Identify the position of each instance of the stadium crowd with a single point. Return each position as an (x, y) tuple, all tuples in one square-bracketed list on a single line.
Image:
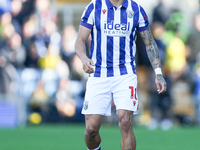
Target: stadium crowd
[(38, 62)]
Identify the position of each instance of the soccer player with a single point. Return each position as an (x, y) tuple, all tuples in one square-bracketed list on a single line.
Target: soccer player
[(113, 25)]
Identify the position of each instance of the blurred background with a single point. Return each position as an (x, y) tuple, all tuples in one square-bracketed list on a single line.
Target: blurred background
[(42, 81)]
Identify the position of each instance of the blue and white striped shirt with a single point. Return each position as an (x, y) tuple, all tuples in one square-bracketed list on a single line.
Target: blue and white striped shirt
[(113, 35)]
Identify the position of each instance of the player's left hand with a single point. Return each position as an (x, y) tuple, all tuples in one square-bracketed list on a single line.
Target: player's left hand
[(160, 84)]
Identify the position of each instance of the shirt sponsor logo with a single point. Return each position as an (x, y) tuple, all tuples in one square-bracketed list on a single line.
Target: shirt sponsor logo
[(111, 29)]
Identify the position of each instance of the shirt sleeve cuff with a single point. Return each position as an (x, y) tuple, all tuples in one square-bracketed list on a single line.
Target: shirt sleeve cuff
[(89, 26), (143, 28)]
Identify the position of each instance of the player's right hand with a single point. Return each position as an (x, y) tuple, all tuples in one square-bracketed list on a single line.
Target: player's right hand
[(88, 65)]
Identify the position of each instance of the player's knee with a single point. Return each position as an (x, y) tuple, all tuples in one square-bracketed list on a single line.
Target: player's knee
[(125, 125), (90, 132)]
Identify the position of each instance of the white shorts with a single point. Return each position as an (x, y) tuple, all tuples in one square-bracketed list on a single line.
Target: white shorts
[(101, 91)]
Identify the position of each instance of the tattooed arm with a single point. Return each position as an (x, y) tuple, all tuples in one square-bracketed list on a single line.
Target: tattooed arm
[(154, 58)]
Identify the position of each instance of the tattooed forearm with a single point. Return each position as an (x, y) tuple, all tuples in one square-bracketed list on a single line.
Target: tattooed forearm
[(160, 78), (153, 54), (151, 47)]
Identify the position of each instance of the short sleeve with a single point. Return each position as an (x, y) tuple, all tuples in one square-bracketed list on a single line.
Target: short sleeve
[(87, 19), (143, 22)]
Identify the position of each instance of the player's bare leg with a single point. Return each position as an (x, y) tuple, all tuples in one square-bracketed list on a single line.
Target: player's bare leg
[(92, 136), (128, 141)]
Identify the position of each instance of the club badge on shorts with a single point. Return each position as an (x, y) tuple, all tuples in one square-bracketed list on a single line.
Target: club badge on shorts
[(85, 105), (130, 13)]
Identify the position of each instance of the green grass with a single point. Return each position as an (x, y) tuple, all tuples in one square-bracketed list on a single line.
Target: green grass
[(70, 137)]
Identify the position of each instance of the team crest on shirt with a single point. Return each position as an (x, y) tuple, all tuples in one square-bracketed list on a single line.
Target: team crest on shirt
[(130, 13), (85, 105)]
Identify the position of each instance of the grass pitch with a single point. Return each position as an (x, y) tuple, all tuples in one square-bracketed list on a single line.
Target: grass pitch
[(70, 137)]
